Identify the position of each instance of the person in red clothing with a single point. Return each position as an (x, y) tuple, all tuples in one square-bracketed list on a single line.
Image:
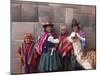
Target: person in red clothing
[(64, 47), (28, 54)]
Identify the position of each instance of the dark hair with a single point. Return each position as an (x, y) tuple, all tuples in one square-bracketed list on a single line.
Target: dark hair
[(45, 26)]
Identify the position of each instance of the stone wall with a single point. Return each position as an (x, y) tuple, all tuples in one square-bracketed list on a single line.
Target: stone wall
[(26, 17)]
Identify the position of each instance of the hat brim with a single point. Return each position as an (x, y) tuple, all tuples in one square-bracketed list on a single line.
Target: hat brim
[(45, 25)]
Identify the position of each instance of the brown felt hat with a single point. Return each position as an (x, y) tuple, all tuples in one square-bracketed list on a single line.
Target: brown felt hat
[(74, 22), (45, 24)]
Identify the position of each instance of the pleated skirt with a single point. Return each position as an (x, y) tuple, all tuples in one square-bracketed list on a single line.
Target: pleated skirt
[(49, 62)]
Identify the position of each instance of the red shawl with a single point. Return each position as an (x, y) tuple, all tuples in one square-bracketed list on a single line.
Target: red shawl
[(64, 44)]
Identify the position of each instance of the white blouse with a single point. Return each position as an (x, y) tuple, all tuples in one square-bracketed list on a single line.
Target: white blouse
[(52, 40)]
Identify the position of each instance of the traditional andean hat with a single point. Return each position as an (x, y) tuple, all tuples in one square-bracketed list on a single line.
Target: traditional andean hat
[(28, 36)]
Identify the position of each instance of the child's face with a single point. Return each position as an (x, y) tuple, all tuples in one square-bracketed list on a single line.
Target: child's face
[(27, 40), (75, 28), (63, 31), (49, 29)]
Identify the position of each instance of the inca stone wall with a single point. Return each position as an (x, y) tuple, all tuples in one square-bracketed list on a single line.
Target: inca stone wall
[(27, 16)]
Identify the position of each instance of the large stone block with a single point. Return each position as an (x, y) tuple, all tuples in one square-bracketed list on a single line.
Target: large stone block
[(20, 28), (83, 19), (59, 14), (92, 21), (69, 16), (37, 30), (15, 66), (85, 9), (90, 36), (46, 13), (15, 44), (16, 12), (15, 58), (29, 13)]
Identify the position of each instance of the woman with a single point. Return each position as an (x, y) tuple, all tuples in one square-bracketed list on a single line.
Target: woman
[(46, 47), (78, 38)]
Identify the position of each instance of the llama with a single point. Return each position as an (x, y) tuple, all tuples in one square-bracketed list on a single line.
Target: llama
[(86, 58)]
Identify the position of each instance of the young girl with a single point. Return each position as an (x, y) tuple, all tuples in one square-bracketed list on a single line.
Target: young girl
[(80, 34), (46, 47), (28, 54), (79, 42), (64, 47)]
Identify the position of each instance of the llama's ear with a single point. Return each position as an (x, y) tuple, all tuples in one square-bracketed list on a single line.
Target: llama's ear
[(73, 34)]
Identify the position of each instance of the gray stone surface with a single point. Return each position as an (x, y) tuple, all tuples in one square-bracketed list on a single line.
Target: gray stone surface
[(27, 17), (59, 14), (83, 19), (15, 66), (15, 60), (46, 12), (29, 13), (16, 12), (90, 36), (20, 28)]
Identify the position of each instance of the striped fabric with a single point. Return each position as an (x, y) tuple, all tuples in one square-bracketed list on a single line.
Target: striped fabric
[(22, 52), (40, 42), (64, 45)]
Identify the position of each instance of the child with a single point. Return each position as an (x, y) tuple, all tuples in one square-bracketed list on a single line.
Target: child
[(46, 47), (64, 47), (79, 42), (79, 32), (28, 54)]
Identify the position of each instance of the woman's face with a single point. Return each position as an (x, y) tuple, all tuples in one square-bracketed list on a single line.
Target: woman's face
[(75, 29), (63, 31), (27, 40), (49, 29)]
